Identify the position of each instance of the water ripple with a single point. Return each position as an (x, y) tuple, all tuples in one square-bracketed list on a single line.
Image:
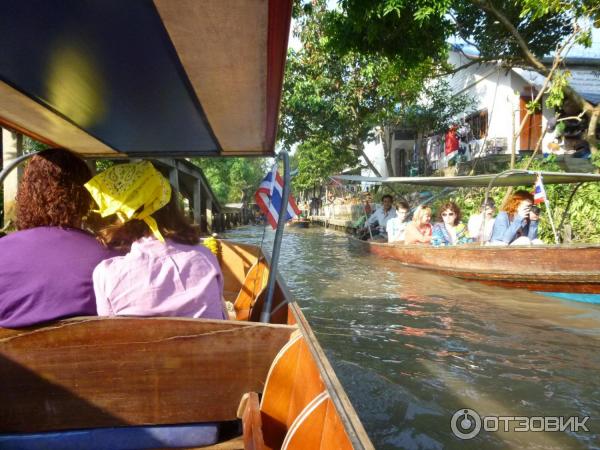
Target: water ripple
[(411, 347)]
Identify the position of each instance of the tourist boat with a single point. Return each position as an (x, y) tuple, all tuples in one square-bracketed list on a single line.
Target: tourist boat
[(163, 79), (571, 268)]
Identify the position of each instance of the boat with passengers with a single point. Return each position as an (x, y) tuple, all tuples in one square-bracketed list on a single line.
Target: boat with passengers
[(570, 268), (154, 79)]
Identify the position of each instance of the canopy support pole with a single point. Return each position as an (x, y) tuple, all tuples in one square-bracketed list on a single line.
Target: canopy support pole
[(14, 163), (265, 315), (568, 207)]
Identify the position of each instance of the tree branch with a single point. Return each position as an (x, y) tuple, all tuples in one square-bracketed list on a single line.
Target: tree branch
[(527, 54)]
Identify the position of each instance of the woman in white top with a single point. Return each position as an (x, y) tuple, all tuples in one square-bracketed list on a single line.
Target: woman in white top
[(481, 225)]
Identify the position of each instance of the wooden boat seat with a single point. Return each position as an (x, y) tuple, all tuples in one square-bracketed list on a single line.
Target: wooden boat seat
[(97, 372), (253, 286)]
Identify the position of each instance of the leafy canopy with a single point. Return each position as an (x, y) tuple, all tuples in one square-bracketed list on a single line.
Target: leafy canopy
[(232, 179), (332, 102), (413, 30)]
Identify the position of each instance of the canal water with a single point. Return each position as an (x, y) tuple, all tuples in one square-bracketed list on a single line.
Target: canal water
[(411, 347)]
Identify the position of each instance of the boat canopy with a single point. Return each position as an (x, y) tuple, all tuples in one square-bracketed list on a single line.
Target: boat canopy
[(143, 78), (508, 178)]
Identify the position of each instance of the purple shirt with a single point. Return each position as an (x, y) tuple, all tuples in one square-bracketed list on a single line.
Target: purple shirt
[(160, 279), (46, 274)]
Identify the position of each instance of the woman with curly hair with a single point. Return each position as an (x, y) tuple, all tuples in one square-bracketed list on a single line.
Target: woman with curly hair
[(449, 230), (516, 224), (165, 272), (46, 267)]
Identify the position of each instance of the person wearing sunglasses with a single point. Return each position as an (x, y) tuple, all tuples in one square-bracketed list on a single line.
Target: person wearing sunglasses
[(450, 230)]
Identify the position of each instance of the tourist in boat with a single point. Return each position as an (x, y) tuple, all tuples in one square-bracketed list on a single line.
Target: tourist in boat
[(419, 230), (46, 266), (395, 227), (378, 220), (165, 272), (480, 225), (450, 230), (517, 224)]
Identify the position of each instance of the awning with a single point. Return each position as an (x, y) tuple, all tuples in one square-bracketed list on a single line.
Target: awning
[(515, 178), (145, 78)]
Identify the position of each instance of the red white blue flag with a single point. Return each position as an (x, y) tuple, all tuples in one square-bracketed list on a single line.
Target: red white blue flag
[(539, 193), (268, 198)]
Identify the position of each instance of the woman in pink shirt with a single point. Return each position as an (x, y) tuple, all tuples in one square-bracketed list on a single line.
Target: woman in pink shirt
[(165, 272)]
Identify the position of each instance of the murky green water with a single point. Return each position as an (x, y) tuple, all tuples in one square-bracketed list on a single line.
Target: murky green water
[(412, 347)]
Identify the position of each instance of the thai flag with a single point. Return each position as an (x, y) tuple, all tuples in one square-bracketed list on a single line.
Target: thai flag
[(268, 198), (539, 193)]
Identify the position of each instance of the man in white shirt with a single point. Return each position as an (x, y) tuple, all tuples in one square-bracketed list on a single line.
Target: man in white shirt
[(481, 225), (395, 226), (381, 217)]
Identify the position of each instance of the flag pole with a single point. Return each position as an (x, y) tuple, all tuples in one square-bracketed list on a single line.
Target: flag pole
[(548, 210), (265, 315)]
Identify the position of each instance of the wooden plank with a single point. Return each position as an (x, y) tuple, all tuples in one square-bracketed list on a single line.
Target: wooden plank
[(97, 372), (318, 426), (235, 260), (236, 443), (254, 284), (333, 429), (253, 436), (307, 429), (293, 382), (277, 394)]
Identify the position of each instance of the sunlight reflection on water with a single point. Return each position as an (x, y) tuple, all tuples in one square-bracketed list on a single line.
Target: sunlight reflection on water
[(412, 347)]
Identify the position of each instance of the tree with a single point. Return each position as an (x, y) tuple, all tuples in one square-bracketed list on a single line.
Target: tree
[(233, 179), (519, 33), (334, 102), (316, 161)]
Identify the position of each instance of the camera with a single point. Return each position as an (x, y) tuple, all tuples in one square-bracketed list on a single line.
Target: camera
[(535, 210)]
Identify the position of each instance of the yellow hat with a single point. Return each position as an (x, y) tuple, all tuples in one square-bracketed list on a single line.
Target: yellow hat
[(124, 189)]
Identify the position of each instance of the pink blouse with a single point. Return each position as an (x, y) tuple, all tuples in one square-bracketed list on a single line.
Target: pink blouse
[(160, 279)]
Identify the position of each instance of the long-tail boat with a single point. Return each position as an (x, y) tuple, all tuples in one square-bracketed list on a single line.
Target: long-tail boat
[(550, 268), (163, 78)]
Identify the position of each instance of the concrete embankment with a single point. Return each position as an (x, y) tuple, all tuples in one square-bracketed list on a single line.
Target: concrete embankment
[(336, 224)]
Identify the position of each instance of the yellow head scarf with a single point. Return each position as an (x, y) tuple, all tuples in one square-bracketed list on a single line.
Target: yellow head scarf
[(125, 188)]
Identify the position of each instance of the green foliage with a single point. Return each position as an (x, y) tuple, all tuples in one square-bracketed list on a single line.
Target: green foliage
[(556, 93), (584, 212), (317, 161), (414, 31), (233, 179), (31, 145), (476, 23), (332, 102), (103, 164)]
